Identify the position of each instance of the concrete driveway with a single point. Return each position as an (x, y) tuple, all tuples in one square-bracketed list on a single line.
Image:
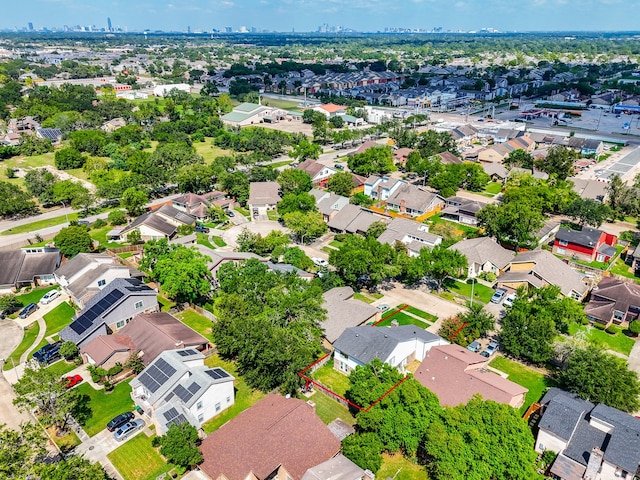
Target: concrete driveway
[(10, 336), (263, 228)]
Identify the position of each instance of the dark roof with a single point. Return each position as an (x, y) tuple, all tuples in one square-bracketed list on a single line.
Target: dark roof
[(52, 134), (11, 260), (623, 448), (563, 412), (584, 438), (367, 343), (612, 293), (587, 237), (37, 264)]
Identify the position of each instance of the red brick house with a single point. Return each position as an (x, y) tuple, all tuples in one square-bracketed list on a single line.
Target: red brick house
[(588, 244)]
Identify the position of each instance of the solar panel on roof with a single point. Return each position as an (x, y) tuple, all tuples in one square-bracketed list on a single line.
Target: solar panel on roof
[(169, 397), (194, 387), (183, 353), (148, 382), (182, 393), (164, 367), (171, 414), (178, 420), (217, 373)]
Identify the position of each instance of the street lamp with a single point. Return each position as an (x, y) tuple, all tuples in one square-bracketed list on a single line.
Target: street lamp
[(65, 213), (473, 284)]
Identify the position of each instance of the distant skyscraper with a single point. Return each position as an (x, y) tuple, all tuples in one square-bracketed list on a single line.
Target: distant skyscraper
[(30, 26), (109, 24), (188, 29)]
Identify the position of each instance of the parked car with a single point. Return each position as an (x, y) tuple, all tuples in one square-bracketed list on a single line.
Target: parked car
[(498, 295), (491, 349), (255, 212), (28, 310), (48, 353), (508, 302), (339, 167), (321, 262), (229, 213), (72, 381), (474, 346), (128, 429), (201, 229), (383, 307), (120, 420), (50, 296)]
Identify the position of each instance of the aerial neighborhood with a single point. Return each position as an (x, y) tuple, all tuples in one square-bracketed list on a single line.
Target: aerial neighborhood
[(244, 256)]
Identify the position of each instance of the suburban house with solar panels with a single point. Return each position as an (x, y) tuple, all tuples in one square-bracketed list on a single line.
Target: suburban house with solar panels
[(177, 387), (110, 310)]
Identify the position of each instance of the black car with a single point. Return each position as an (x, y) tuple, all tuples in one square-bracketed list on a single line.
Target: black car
[(28, 310), (48, 353), (120, 420), (201, 229)]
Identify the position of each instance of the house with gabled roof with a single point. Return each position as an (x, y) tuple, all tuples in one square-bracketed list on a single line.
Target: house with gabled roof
[(588, 244), (593, 442), (318, 172), (381, 188), (344, 311), (614, 301), (253, 113), (28, 267), (352, 219), (263, 196), (198, 204), (414, 201), (483, 254), (281, 439), (397, 346), (329, 204), (462, 210), (160, 223), (414, 235), (110, 309), (177, 387)]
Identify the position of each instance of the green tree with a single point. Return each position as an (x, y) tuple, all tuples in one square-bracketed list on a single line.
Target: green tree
[(236, 184), (294, 181), (69, 350), (478, 322), (117, 217), (73, 194), (377, 159), (14, 200), (135, 363), (588, 212), (180, 445), (73, 240), (20, 450), (300, 202), (437, 264), (295, 256), (134, 200), (559, 162), (183, 274), (376, 229), (90, 141), (32, 145), (72, 467), (341, 183), (320, 130), (9, 303), (305, 225), (519, 158), (39, 183), (515, 223), (68, 158), (601, 378), (305, 150)]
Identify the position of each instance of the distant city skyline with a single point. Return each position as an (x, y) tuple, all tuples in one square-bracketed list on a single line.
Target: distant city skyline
[(308, 15)]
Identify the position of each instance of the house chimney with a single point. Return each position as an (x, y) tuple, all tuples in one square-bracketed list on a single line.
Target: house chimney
[(368, 475), (593, 467)]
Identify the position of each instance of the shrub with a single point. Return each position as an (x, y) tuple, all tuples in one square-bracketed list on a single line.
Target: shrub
[(599, 326), (117, 217), (613, 329), (634, 327), (339, 237), (68, 158), (488, 276), (585, 321), (99, 223)]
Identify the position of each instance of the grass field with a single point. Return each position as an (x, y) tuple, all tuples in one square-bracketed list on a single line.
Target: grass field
[(399, 467), (58, 318), (40, 224), (61, 368), (328, 409), (34, 295), (336, 244), (364, 298), (278, 103), (65, 443), (218, 241), (245, 396), (199, 323), (30, 335), (332, 379), (493, 188), (125, 255), (420, 313), (403, 319), (621, 268), (100, 234), (618, 342), (273, 215), (536, 382), (481, 292), (103, 406), (165, 304), (203, 239), (136, 459), (461, 230), (243, 211), (208, 150)]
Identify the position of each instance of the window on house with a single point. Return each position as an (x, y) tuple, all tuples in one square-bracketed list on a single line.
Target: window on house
[(563, 243), (121, 324), (199, 405), (228, 399), (138, 305), (101, 283), (200, 418), (218, 407), (575, 296)]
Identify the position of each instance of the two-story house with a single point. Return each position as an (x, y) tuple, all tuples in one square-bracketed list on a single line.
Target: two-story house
[(414, 235), (160, 223), (198, 205), (318, 172), (588, 244), (614, 301), (329, 204), (413, 201), (483, 254), (177, 387), (381, 188), (110, 309), (462, 210)]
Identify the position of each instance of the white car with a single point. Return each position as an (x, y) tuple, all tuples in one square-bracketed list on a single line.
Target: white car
[(321, 262), (50, 296), (508, 302)]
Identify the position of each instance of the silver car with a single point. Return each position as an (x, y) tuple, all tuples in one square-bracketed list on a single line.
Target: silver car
[(128, 429)]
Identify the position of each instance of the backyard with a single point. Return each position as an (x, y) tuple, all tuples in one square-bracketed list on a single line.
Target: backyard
[(536, 382), (102, 407), (618, 342), (329, 409), (245, 396), (199, 323), (399, 467), (331, 378), (58, 318), (621, 268), (136, 459)]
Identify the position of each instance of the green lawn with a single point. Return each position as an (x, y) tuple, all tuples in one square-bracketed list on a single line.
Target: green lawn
[(243, 211), (35, 294), (40, 224), (65, 443), (199, 323), (618, 342), (58, 318), (332, 379), (273, 215), (245, 396), (493, 188), (61, 368), (100, 234), (208, 151), (329, 409), (136, 459), (280, 164), (336, 244), (402, 319), (203, 239), (125, 255), (481, 292), (362, 297), (536, 382), (165, 304), (422, 314), (621, 268), (463, 230), (279, 103), (30, 335), (104, 406), (399, 467), (218, 241)]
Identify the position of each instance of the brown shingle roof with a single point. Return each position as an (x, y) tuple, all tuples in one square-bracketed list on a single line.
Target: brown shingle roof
[(276, 431)]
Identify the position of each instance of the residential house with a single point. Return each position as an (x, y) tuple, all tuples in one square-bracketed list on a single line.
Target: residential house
[(86, 274), (497, 153), (148, 335), (329, 204), (462, 210), (397, 346), (28, 267), (588, 244), (547, 232), (591, 189), (53, 134), (381, 188), (263, 196), (114, 124), (496, 171), (539, 268), (110, 309), (400, 155), (330, 109), (593, 442), (449, 158), (593, 147), (483, 254), (464, 134), (455, 374), (318, 172), (344, 311), (633, 257), (537, 174), (198, 205), (614, 301), (282, 438), (352, 219), (160, 223), (177, 387), (338, 468), (252, 114), (414, 201), (414, 235)]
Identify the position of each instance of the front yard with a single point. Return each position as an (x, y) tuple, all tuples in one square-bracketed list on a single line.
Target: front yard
[(136, 459), (58, 318), (402, 319), (102, 407), (618, 342), (35, 294), (481, 292)]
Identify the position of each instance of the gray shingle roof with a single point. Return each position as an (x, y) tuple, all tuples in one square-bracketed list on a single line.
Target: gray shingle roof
[(343, 311), (484, 249), (71, 267), (11, 261), (563, 412), (553, 270), (587, 237)]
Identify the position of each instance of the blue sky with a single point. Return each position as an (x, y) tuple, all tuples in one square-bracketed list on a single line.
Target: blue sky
[(307, 15)]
